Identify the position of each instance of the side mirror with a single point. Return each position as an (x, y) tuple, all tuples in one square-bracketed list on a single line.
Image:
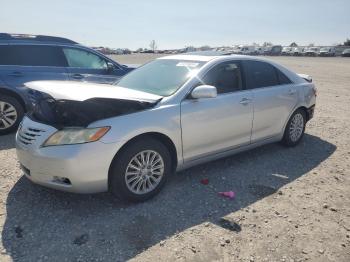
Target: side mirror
[(204, 91), (110, 67)]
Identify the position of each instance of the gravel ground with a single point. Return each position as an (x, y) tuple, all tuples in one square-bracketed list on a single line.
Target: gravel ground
[(291, 204)]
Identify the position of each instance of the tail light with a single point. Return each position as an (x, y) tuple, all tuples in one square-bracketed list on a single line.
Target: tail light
[(314, 90)]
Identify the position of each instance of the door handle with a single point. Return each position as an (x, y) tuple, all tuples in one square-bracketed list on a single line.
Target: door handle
[(16, 74), (291, 92), (77, 76), (245, 101)]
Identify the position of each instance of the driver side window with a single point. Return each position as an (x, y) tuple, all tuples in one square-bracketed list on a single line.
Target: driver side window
[(84, 59), (226, 77)]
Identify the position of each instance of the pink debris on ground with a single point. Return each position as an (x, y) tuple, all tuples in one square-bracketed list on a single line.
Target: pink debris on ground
[(228, 194)]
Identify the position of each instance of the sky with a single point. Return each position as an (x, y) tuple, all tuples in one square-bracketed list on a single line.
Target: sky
[(175, 24)]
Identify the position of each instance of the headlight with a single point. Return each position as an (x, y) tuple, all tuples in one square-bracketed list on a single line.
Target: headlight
[(76, 136)]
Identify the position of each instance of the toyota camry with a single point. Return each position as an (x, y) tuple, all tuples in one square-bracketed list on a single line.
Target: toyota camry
[(167, 115)]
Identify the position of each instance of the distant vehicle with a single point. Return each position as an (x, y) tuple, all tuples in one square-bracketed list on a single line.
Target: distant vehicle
[(346, 53), (273, 50), (312, 51), (327, 51), (126, 51), (287, 50), (25, 58), (167, 115), (189, 49), (235, 50), (147, 51), (117, 51), (247, 50), (259, 50), (297, 51)]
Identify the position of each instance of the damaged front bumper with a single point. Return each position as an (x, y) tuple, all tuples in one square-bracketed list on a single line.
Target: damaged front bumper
[(310, 112), (80, 168)]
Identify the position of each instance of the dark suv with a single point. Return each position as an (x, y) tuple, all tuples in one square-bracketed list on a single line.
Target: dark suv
[(25, 58)]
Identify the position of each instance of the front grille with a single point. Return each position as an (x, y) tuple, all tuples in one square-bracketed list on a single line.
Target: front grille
[(28, 135)]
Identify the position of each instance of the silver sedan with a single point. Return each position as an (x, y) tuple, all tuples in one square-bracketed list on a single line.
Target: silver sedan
[(167, 115)]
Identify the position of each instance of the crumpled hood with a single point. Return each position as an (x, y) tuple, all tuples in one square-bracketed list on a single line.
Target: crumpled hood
[(81, 91)]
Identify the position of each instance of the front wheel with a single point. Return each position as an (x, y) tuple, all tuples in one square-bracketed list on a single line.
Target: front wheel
[(295, 128), (140, 170), (11, 113)]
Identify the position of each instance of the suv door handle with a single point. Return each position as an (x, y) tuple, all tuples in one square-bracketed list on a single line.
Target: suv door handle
[(291, 92), (245, 101), (16, 74), (77, 76)]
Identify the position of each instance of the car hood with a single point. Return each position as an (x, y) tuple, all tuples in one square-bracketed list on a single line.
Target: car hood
[(132, 66), (81, 91)]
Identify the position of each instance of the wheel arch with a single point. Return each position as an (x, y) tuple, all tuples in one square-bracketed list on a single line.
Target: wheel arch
[(7, 92), (166, 140), (302, 107)]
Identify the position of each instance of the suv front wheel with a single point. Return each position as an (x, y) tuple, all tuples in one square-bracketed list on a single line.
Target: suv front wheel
[(11, 114)]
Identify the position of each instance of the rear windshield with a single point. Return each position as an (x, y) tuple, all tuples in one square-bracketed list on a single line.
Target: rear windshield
[(161, 77)]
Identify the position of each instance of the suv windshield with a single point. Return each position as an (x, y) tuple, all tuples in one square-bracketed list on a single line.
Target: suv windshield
[(161, 77)]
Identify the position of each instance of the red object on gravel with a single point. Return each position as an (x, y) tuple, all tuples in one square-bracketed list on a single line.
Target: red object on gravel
[(205, 181)]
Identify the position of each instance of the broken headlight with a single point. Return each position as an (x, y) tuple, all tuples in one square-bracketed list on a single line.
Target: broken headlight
[(72, 136)]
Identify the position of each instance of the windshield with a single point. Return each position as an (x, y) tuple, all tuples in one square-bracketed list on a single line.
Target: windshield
[(161, 77)]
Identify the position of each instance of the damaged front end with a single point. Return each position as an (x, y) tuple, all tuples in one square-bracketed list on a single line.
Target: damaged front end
[(61, 113)]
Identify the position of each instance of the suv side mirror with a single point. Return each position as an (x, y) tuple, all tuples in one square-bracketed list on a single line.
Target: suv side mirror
[(204, 91), (110, 67)]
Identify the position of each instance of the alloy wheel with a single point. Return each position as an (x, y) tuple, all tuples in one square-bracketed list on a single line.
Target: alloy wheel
[(296, 127), (8, 115), (144, 172)]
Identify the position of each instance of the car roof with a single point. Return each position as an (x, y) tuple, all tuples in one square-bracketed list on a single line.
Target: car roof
[(33, 39), (189, 57), (207, 57)]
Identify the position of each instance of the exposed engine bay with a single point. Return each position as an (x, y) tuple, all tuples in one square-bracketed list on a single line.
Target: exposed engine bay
[(69, 113)]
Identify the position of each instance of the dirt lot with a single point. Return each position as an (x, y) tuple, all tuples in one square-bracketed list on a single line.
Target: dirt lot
[(291, 204)]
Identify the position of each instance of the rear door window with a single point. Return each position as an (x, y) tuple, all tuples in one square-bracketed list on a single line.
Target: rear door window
[(5, 57), (32, 55), (83, 59), (260, 74), (283, 79)]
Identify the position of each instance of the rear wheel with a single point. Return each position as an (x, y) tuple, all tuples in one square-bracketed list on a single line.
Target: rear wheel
[(295, 128), (140, 170), (11, 114)]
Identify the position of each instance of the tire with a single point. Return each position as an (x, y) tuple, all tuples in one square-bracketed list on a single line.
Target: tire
[(11, 114), (125, 161), (292, 137)]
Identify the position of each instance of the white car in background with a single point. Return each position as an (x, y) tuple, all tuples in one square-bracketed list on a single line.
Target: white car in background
[(297, 51), (346, 53), (327, 51), (311, 51), (287, 50), (247, 50), (259, 50)]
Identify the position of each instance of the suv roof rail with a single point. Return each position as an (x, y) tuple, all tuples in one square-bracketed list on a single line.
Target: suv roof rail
[(40, 38)]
